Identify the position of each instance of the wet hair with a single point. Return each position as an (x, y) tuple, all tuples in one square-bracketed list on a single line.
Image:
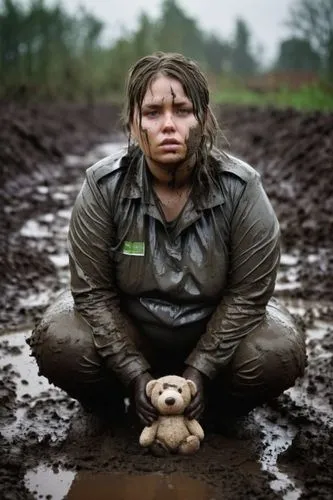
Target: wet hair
[(195, 85)]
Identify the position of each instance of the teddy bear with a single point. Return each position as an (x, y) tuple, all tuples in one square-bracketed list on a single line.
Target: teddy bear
[(172, 432)]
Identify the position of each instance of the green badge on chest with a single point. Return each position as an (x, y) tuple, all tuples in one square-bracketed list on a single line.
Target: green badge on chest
[(136, 248)]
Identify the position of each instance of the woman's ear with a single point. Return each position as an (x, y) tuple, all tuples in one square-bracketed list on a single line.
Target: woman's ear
[(149, 387)]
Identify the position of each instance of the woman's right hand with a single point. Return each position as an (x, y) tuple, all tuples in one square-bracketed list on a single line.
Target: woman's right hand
[(144, 409)]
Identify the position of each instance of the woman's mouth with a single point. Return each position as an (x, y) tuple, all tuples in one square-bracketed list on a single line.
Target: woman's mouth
[(169, 144)]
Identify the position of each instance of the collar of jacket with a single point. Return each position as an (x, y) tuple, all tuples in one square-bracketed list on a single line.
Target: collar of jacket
[(138, 185)]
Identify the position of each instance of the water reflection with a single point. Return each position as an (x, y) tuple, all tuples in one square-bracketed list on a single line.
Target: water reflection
[(46, 482), (118, 486)]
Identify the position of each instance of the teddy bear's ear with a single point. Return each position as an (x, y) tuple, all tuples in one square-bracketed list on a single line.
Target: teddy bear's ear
[(149, 387), (192, 386)]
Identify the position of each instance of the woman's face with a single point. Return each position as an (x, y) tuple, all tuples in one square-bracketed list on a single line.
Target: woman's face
[(169, 133)]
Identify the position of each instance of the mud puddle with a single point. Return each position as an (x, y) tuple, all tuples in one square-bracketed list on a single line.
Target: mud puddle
[(86, 485)]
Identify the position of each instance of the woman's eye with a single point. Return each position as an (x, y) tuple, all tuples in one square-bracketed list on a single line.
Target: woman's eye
[(184, 111), (151, 114)]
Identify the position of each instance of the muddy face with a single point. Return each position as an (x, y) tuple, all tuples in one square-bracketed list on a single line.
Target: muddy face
[(166, 128)]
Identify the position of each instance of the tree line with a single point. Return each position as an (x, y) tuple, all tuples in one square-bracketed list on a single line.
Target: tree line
[(45, 49)]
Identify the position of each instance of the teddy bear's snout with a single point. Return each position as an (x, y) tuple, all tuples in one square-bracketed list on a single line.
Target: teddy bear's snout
[(170, 402)]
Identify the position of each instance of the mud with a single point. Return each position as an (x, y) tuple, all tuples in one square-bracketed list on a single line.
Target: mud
[(41, 148), (50, 448), (293, 151)]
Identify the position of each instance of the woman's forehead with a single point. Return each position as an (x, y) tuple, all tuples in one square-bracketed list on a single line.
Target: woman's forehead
[(164, 88)]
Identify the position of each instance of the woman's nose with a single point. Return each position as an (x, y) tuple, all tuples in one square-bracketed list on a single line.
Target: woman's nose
[(168, 121)]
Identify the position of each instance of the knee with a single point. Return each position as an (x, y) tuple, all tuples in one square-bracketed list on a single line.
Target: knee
[(248, 366), (61, 342), (269, 360)]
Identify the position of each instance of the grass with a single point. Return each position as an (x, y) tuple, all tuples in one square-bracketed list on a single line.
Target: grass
[(308, 98)]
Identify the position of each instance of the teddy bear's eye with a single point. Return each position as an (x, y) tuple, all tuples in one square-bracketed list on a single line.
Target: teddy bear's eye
[(180, 391), (160, 392)]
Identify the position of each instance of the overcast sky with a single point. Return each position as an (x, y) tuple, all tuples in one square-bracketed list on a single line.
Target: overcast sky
[(264, 17)]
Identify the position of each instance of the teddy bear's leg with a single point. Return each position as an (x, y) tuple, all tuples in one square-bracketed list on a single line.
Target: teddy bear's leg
[(159, 449), (189, 446), (148, 435)]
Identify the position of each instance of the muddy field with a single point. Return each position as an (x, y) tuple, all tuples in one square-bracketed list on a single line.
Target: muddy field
[(284, 451)]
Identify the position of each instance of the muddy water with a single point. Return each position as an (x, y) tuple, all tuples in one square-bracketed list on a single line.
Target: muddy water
[(86, 485), (61, 479)]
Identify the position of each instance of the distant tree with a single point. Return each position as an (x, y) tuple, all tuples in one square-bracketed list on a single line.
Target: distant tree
[(90, 29), (177, 32), (313, 20), (88, 37), (298, 54), (242, 61), (121, 56), (217, 54), (11, 23), (42, 47), (144, 37)]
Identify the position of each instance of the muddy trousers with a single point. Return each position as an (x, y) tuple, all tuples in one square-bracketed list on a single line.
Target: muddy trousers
[(266, 362)]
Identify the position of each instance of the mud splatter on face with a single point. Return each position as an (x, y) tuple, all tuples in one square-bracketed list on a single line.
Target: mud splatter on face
[(193, 141), (144, 136)]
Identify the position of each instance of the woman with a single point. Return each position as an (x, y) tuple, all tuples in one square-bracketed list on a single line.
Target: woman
[(174, 249)]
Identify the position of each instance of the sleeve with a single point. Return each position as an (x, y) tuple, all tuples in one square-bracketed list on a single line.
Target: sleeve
[(254, 260), (93, 284)]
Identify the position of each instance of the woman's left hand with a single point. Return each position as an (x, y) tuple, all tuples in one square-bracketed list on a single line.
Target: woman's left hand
[(197, 405)]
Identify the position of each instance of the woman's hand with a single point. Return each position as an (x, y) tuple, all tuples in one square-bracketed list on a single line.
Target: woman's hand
[(144, 409), (197, 405)]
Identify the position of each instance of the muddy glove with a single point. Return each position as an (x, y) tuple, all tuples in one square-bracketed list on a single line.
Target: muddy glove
[(144, 409), (197, 405)]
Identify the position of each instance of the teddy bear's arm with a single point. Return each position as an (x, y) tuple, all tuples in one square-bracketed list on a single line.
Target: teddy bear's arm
[(195, 428), (148, 434)]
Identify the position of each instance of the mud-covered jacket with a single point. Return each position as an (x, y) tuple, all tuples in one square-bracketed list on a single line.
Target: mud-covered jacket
[(215, 265)]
